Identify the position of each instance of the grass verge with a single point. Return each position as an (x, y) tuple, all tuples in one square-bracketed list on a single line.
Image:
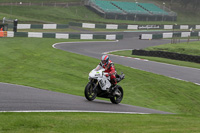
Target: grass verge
[(37, 1), (96, 122), (33, 62), (192, 48)]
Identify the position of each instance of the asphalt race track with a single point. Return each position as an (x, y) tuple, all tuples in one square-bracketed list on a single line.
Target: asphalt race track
[(22, 98), (131, 41)]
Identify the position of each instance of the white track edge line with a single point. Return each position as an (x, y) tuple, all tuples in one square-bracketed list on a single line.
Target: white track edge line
[(54, 45), (70, 111), (123, 56), (197, 84)]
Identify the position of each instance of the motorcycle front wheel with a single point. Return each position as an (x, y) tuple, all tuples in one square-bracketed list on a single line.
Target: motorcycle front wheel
[(90, 92), (117, 99)]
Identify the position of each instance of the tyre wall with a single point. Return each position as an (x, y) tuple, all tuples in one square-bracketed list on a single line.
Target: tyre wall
[(169, 55)]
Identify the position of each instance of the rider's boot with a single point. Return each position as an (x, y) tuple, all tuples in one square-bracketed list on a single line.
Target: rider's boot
[(113, 85), (116, 93), (111, 89), (108, 90)]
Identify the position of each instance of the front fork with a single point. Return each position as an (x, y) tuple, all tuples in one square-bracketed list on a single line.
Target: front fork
[(95, 86)]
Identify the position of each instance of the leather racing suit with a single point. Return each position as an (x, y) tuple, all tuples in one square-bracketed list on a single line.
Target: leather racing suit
[(110, 69)]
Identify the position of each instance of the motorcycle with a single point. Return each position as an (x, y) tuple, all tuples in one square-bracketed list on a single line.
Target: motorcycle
[(99, 86)]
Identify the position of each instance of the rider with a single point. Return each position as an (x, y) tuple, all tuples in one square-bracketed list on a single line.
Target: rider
[(109, 67)]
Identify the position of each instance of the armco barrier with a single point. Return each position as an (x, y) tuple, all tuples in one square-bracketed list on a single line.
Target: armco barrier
[(104, 26), (49, 35), (133, 27), (169, 55), (64, 36), (36, 26), (20, 34), (168, 35), (40, 26), (99, 37)]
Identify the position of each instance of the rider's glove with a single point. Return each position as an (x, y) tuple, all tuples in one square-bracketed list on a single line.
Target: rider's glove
[(107, 75)]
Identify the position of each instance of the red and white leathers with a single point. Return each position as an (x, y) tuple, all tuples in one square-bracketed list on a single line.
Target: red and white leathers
[(110, 69)]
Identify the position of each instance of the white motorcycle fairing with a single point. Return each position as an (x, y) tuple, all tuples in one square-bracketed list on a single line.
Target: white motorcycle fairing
[(99, 74)]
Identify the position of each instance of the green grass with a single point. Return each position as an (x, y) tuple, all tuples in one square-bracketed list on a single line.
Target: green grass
[(47, 15), (96, 122), (33, 62), (38, 14), (192, 48), (37, 64)]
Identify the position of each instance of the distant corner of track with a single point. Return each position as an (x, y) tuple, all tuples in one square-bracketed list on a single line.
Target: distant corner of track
[(54, 45)]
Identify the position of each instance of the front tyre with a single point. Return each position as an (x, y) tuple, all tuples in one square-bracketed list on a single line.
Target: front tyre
[(90, 92), (117, 98)]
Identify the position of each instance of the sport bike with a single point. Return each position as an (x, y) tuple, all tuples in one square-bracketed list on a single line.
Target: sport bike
[(100, 86)]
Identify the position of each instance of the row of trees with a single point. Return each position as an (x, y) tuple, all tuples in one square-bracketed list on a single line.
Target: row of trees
[(193, 4)]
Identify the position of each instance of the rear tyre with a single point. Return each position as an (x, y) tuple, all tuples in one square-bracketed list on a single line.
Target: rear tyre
[(117, 99), (90, 93)]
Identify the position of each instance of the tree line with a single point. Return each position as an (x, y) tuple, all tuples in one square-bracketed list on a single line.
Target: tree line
[(194, 4)]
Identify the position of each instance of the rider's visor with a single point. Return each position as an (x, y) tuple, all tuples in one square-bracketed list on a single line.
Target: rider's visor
[(103, 61)]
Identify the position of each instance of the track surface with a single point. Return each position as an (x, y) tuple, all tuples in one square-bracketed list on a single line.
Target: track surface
[(131, 41), (21, 98)]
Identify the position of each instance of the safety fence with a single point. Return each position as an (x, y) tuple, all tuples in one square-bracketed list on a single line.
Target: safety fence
[(134, 27), (169, 35), (103, 26), (169, 55), (52, 4), (64, 35), (40, 26)]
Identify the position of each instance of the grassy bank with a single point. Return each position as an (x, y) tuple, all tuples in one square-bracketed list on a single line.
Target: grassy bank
[(192, 48), (38, 14), (37, 1), (33, 62), (96, 122), (44, 14)]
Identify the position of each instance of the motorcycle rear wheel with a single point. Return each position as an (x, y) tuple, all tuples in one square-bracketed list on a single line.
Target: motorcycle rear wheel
[(90, 94), (117, 99)]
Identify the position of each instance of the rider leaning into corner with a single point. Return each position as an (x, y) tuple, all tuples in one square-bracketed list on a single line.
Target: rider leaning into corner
[(109, 67)]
